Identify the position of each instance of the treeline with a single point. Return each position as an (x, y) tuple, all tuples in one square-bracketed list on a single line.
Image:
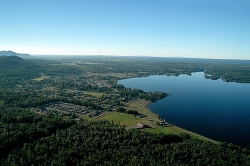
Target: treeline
[(130, 94), (102, 143), (229, 72), (123, 110)]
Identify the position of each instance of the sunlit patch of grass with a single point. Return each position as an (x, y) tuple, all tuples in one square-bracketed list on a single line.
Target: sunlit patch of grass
[(41, 78), (141, 106), (164, 130), (69, 63), (51, 88), (122, 119), (95, 94)]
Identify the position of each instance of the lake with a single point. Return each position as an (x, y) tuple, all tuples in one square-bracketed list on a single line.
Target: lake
[(213, 108)]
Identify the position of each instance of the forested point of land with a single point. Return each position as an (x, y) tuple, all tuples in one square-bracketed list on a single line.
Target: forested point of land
[(46, 113)]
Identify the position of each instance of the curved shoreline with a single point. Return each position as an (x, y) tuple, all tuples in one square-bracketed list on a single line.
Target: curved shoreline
[(187, 131), (211, 140)]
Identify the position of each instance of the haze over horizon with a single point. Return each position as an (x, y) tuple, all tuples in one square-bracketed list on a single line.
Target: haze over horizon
[(164, 28)]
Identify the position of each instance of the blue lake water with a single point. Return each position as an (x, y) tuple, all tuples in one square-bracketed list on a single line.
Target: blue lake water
[(216, 109)]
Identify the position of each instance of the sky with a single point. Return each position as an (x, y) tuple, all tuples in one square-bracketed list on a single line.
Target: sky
[(164, 28)]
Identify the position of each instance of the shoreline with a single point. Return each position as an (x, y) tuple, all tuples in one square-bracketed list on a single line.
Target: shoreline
[(196, 134), (185, 130)]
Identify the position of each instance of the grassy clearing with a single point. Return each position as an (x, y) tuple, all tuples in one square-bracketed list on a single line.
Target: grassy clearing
[(141, 107), (164, 130), (69, 63), (96, 94), (100, 116), (41, 78), (90, 63), (49, 88), (122, 119)]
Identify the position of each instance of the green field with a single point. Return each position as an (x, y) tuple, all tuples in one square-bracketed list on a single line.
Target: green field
[(141, 106), (122, 119), (164, 130), (41, 78), (49, 88), (95, 94)]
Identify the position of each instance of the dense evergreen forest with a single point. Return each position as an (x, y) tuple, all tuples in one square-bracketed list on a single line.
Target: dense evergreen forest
[(32, 133), (102, 143)]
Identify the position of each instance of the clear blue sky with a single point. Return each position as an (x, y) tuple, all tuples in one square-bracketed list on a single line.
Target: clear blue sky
[(171, 28)]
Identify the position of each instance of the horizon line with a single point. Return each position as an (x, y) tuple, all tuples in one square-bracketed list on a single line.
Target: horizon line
[(149, 56)]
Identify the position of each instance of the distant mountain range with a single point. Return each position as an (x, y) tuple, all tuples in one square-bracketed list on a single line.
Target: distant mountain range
[(11, 53)]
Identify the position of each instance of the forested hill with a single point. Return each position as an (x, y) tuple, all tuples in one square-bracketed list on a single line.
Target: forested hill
[(11, 53), (12, 61), (18, 68), (16, 62)]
